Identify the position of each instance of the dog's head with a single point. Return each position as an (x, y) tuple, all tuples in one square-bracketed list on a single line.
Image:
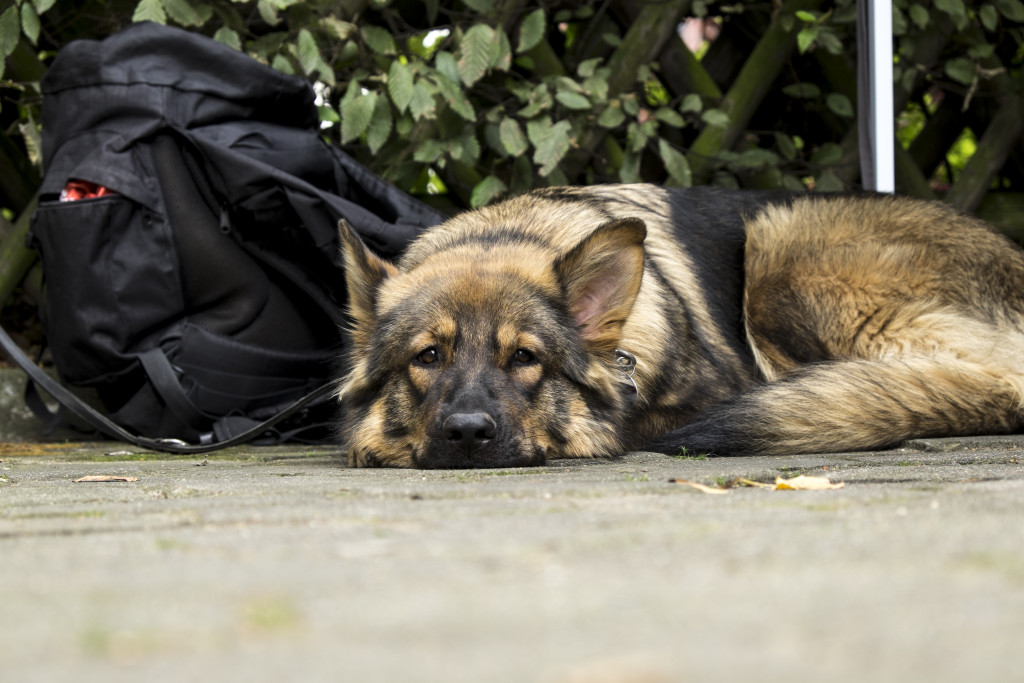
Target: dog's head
[(490, 350)]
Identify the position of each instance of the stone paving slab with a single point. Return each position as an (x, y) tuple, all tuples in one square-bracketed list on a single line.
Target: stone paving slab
[(280, 564)]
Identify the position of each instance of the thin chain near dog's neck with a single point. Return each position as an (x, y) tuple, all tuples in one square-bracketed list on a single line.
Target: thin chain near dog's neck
[(626, 363)]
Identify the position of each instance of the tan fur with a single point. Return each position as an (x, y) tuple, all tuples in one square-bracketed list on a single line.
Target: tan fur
[(799, 324)]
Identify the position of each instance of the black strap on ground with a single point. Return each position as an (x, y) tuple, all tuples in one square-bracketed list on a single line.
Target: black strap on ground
[(103, 424), (166, 383)]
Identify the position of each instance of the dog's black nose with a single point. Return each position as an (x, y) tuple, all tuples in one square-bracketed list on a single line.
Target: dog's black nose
[(469, 431)]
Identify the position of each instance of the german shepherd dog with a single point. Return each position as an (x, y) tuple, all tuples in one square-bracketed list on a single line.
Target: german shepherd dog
[(582, 322)]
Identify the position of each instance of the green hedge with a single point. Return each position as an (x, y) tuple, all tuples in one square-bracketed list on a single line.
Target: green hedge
[(464, 101)]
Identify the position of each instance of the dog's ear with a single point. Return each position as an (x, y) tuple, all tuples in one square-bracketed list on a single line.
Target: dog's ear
[(364, 273), (601, 276)]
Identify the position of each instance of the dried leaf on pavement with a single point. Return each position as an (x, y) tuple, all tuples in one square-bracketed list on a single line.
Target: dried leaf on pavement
[(799, 483), (698, 486), (805, 483), (92, 478)]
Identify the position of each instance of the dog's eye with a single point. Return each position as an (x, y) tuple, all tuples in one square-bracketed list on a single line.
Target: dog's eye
[(523, 357), (427, 356)]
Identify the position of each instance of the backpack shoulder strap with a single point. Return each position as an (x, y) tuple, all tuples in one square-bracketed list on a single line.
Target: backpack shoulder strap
[(96, 419)]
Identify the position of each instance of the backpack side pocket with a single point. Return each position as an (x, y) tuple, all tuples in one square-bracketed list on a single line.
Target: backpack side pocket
[(112, 283)]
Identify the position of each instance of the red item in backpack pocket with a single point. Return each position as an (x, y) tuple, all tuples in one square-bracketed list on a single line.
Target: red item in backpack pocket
[(83, 189)]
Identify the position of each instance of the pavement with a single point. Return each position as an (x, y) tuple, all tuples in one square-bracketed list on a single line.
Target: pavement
[(281, 564)]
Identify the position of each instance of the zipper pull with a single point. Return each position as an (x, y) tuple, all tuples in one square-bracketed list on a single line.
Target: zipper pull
[(225, 221)]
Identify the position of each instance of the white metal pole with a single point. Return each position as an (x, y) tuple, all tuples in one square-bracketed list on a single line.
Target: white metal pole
[(876, 119), (882, 85)]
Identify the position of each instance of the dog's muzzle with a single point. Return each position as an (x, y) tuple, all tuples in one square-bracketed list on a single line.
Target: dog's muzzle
[(475, 440)]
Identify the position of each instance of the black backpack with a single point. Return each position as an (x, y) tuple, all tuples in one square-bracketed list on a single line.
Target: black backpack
[(187, 228)]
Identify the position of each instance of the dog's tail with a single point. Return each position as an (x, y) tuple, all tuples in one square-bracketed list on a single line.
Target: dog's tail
[(858, 404)]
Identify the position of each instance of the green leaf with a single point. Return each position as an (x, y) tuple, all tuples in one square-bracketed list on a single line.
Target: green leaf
[(726, 180), (676, 165), (692, 103), (282, 64), (492, 137), (400, 84), (786, 146), (982, 51), (348, 53), (831, 42), (356, 115), (919, 15), (380, 126), (669, 117), (630, 104), (512, 138), (828, 182), (566, 83), (404, 125), (183, 12), (379, 40), (342, 30), (486, 190), (476, 53), (839, 104), (522, 175), (268, 12), (989, 17), (540, 100), (327, 114), (961, 70), (307, 52), (428, 151), (828, 154), (325, 74), (791, 182), (503, 52), (907, 80), (531, 30), (150, 10), (10, 33), (228, 37), (755, 158), (446, 65), (422, 105), (588, 67), (956, 11), (520, 89), (802, 90), (806, 38), (612, 117), (432, 8), (1011, 9), (629, 171), (597, 86), (465, 148), (638, 135), (572, 100), (716, 118), (30, 22), (551, 142), (268, 44), (42, 6), (480, 6), (455, 98), (899, 22), (31, 136)]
